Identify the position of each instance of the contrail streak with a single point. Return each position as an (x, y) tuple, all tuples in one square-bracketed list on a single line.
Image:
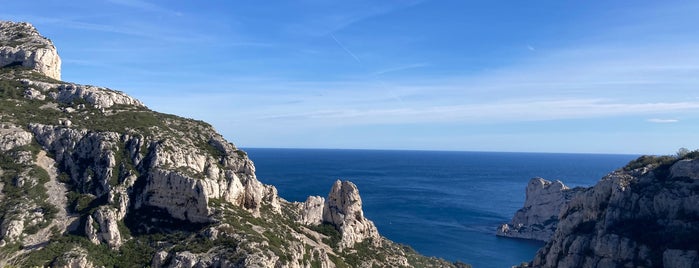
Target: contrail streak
[(347, 50)]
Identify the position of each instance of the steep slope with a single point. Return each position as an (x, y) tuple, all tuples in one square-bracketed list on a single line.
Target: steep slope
[(92, 177), (644, 215)]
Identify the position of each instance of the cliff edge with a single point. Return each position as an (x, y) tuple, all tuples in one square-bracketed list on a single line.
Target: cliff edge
[(643, 215)]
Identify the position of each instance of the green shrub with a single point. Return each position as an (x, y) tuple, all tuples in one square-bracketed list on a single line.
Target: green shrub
[(334, 236), (648, 160)]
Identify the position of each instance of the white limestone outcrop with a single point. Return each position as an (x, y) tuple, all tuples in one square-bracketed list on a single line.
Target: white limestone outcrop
[(21, 44), (312, 210), (67, 93), (183, 197), (343, 209), (75, 258), (98, 96), (11, 230), (538, 218), (12, 136), (102, 227)]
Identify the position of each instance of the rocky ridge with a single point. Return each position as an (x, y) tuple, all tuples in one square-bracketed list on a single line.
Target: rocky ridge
[(92, 177), (538, 218), (643, 215)]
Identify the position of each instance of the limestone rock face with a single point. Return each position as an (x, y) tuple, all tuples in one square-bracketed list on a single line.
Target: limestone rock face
[(343, 209), (76, 258), (159, 259), (183, 197), (102, 227), (646, 217), (21, 44), (89, 157), (312, 210), (539, 217), (11, 230), (66, 93), (188, 259), (184, 259), (97, 96), (174, 181), (12, 136)]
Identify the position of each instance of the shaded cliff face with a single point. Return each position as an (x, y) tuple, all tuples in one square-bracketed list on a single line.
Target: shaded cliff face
[(92, 177), (645, 215)]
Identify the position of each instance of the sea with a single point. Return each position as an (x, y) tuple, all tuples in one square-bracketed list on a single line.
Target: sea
[(443, 204)]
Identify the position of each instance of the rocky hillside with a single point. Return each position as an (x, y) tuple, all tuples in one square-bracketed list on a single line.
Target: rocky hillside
[(91, 177), (643, 215)]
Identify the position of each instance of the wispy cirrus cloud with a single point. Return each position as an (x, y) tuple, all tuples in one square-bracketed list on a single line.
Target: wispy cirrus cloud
[(137, 29), (581, 83), (338, 16), (400, 68), (662, 121), (494, 112), (145, 6)]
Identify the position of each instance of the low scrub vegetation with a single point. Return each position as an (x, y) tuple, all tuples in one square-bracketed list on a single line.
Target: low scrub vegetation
[(662, 163)]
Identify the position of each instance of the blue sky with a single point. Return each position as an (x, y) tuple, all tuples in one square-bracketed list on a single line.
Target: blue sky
[(535, 76)]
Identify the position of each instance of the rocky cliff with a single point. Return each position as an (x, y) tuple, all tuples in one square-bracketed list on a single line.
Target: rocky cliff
[(343, 209), (92, 177), (644, 215), (538, 218), (21, 44)]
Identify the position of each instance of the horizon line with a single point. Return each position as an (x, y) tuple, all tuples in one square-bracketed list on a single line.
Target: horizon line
[(435, 150)]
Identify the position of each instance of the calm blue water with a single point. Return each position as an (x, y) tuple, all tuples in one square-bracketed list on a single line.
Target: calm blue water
[(444, 204)]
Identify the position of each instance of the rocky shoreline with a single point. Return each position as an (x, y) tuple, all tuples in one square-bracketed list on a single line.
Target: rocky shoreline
[(643, 215)]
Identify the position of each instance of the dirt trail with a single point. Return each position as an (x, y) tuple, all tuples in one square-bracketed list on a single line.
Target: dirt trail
[(57, 197)]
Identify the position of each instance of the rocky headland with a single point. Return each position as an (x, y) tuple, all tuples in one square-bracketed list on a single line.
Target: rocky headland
[(538, 218), (645, 214), (90, 177)]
